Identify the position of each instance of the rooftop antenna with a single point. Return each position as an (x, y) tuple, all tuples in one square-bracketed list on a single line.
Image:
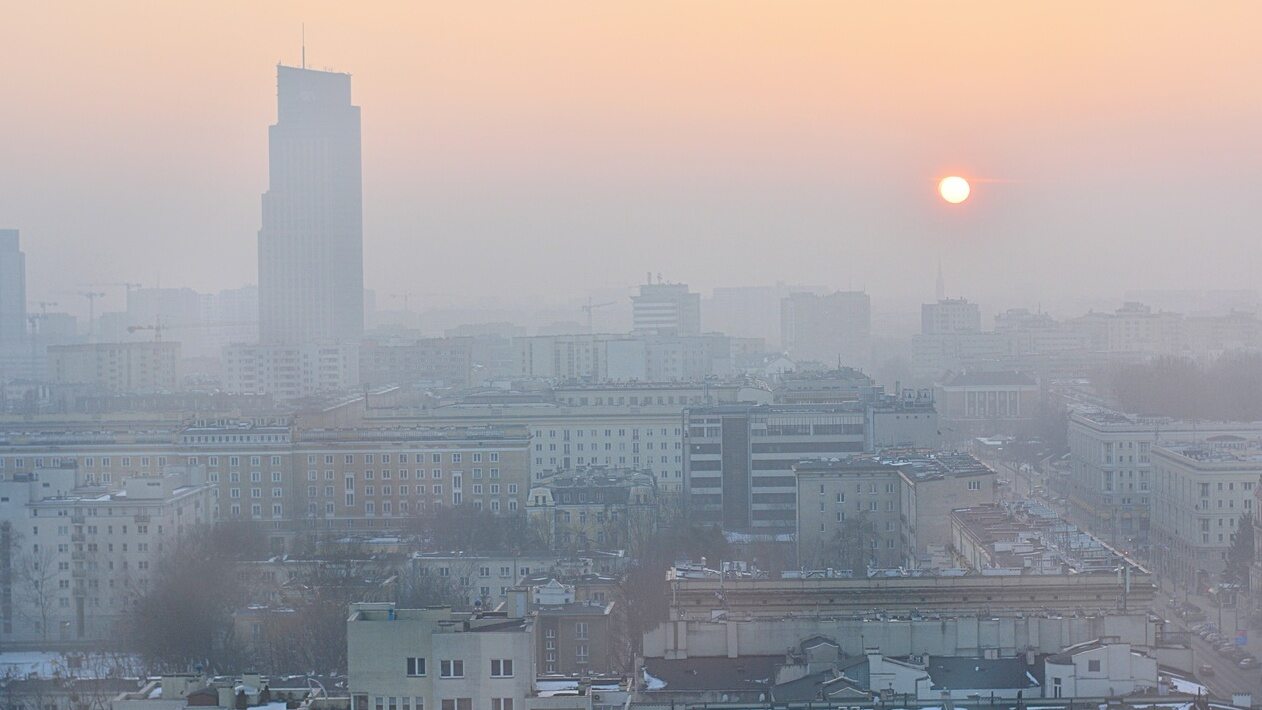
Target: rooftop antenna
[(304, 45)]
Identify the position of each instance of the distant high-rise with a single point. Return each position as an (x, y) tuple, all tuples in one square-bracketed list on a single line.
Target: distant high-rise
[(832, 329), (666, 309), (12, 290), (311, 252), (950, 315)]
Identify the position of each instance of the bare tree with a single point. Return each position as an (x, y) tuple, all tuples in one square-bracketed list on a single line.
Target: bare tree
[(35, 573)]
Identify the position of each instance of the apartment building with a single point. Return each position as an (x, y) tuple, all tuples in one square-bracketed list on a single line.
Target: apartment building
[(444, 361), (1201, 493), (436, 658), (290, 372), (77, 553), (594, 507), (116, 367), (301, 480), (484, 580)]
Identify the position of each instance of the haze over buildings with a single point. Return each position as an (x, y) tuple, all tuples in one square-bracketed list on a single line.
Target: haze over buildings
[(450, 453)]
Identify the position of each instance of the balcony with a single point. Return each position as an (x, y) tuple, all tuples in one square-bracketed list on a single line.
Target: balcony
[(143, 518), (77, 520), (78, 537)]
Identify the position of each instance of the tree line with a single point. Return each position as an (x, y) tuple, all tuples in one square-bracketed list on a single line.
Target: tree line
[(1228, 388)]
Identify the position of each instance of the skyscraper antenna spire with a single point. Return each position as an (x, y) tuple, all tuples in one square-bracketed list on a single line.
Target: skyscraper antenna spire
[(304, 45)]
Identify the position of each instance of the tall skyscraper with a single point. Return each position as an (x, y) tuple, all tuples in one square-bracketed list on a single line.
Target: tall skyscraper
[(12, 290), (311, 246)]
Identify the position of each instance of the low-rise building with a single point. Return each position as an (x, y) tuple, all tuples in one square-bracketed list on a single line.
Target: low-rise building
[(575, 637), (1027, 538), (975, 403), (594, 507), (1099, 668), (436, 658)]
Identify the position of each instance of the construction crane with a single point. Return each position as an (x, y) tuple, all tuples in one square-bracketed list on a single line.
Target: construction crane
[(157, 327), (591, 307), (34, 319), (129, 286), (91, 296)]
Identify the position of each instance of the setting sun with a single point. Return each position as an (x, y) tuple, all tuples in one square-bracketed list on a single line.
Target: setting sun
[(954, 189)]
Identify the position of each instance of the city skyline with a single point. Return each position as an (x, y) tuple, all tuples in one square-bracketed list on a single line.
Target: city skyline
[(1077, 173)]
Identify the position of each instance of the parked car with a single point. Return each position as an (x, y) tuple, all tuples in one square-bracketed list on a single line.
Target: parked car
[(1205, 670), (1247, 662), (1213, 637)]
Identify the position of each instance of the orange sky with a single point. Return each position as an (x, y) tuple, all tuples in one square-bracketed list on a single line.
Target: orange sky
[(717, 142)]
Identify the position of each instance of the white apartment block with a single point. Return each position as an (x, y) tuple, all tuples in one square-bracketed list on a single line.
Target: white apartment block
[(1200, 493), (437, 659), (290, 371), (79, 553), (130, 368)]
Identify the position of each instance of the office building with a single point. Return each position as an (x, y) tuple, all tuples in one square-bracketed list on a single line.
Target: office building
[(739, 459), (311, 273), (666, 309), (835, 329)]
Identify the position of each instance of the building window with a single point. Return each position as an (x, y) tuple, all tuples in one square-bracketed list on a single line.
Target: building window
[(416, 667), (580, 630), (502, 668), (501, 704), (451, 669), (1093, 666), (457, 703)]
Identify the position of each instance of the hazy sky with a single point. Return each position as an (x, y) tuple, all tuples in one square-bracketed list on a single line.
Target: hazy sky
[(534, 148)]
